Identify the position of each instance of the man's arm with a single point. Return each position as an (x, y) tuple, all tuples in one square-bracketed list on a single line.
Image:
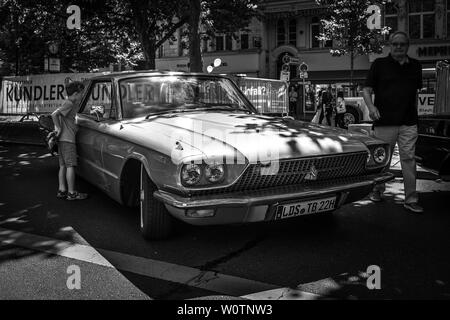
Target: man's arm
[(373, 111)]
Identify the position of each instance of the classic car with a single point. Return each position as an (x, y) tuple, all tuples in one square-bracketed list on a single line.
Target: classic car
[(191, 147)]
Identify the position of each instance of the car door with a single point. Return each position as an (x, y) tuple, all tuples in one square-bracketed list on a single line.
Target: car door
[(96, 115)]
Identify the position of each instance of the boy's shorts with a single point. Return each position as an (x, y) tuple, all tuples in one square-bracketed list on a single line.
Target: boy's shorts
[(67, 154)]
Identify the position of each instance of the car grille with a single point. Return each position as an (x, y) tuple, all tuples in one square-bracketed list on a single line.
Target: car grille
[(296, 171)]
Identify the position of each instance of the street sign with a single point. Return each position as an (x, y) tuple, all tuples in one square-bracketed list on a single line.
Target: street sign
[(303, 75), (54, 64), (294, 61), (286, 58), (303, 67), (285, 75), (53, 48)]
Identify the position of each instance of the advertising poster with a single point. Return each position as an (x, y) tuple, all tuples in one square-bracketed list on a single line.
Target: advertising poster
[(36, 93)]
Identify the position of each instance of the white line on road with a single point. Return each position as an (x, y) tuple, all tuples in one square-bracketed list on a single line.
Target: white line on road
[(208, 280)]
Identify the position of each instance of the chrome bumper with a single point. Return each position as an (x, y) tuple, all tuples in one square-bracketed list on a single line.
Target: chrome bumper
[(273, 195)]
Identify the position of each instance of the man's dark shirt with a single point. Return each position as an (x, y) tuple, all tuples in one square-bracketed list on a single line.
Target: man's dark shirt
[(327, 98), (395, 87)]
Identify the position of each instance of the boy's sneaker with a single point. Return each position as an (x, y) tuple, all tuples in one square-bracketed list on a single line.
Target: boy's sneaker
[(61, 194), (375, 196), (413, 207), (76, 196)]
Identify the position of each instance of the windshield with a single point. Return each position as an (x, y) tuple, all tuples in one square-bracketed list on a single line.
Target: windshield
[(146, 96)]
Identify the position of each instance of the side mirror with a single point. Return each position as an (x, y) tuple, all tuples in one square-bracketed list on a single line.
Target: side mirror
[(99, 111)]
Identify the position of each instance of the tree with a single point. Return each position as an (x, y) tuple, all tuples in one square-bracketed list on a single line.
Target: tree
[(346, 24), (207, 18), (127, 31), (27, 27)]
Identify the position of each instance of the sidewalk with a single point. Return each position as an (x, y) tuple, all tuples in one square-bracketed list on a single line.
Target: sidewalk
[(396, 168)]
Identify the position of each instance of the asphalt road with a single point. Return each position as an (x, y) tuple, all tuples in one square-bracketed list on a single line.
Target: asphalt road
[(303, 258)]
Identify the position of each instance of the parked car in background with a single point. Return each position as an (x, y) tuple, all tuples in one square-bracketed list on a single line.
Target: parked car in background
[(356, 111), (191, 147), (433, 144)]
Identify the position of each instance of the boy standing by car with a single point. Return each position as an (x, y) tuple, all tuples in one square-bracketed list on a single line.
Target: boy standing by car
[(66, 129)]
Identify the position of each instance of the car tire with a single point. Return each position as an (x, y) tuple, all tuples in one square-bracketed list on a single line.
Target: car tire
[(155, 221), (351, 116)]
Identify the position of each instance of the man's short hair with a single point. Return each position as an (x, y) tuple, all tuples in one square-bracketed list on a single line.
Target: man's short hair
[(74, 87), (397, 33)]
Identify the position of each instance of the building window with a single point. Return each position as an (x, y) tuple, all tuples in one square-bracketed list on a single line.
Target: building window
[(281, 33), (293, 32), (391, 17), (228, 43), (421, 19), (219, 43), (244, 41), (315, 29)]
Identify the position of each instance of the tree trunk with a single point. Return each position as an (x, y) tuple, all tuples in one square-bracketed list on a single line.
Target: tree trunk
[(147, 39), (195, 55), (148, 47), (352, 60)]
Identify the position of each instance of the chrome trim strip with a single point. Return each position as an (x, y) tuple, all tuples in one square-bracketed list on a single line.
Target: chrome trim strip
[(243, 200)]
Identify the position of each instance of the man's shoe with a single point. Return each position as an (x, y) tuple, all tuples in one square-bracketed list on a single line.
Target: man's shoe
[(375, 196), (76, 196), (61, 194), (413, 207)]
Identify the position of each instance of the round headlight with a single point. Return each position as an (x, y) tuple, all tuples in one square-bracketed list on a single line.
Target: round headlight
[(379, 155), (214, 173), (191, 174)]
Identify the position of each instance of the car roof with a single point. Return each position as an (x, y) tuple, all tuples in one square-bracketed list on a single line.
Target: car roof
[(144, 73)]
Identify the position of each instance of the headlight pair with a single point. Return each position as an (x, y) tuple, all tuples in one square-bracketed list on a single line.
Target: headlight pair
[(191, 174)]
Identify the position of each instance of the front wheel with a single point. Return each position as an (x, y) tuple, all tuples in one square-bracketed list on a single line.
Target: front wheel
[(155, 220)]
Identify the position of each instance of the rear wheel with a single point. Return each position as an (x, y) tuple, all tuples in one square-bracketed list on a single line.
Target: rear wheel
[(155, 220), (351, 116)]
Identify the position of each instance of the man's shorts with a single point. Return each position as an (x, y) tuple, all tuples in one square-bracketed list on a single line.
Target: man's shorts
[(67, 154)]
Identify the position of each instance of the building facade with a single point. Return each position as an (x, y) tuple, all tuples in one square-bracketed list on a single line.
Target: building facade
[(291, 27)]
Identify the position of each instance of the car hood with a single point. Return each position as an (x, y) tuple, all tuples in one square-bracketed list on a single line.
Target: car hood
[(257, 137)]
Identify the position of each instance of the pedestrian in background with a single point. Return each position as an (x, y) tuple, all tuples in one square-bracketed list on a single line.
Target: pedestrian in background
[(293, 97), (327, 106), (395, 81), (340, 110), (66, 129)]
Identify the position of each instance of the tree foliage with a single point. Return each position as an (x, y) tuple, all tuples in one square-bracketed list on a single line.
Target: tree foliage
[(346, 25), (128, 31), (206, 18)]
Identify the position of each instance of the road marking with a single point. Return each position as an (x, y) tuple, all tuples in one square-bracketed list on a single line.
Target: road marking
[(208, 280)]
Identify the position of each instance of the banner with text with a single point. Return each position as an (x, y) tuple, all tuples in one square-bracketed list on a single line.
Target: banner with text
[(36, 93)]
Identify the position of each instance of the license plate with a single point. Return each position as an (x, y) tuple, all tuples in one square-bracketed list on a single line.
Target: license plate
[(296, 209)]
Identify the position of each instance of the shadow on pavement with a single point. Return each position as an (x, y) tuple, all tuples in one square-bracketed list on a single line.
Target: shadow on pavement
[(360, 235)]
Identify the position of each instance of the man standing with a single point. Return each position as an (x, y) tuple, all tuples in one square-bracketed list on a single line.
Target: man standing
[(395, 80)]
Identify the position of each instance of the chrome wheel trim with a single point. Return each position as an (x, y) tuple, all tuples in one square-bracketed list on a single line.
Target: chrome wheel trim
[(349, 118)]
